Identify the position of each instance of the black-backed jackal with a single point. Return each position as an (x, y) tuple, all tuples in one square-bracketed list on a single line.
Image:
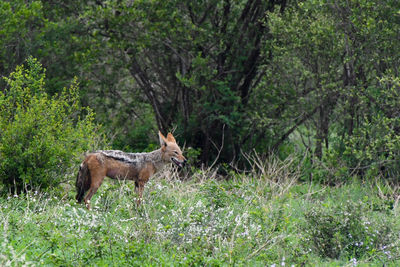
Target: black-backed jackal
[(116, 164)]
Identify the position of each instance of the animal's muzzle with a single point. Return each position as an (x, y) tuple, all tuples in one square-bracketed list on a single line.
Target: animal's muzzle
[(179, 163)]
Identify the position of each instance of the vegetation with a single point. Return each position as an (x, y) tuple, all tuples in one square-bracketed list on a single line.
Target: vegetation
[(308, 76), (253, 220), (313, 82), (41, 137)]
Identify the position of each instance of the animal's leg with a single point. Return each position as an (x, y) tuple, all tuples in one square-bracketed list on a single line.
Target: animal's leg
[(92, 190), (136, 188), (89, 195), (139, 187), (144, 176)]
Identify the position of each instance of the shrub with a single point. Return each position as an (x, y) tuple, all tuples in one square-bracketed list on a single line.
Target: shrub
[(346, 230), (372, 150), (40, 136)]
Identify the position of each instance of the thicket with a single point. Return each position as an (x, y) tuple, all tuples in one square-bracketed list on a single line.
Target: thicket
[(42, 137), (319, 79)]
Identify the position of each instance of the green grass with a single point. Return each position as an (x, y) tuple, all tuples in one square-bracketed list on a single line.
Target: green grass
[(261, 219)]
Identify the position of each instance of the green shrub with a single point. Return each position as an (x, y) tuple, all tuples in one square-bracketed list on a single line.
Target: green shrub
[(40, 136), (346, 230), (373, 148)]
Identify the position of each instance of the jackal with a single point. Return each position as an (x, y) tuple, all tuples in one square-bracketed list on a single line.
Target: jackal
[(116, 164)]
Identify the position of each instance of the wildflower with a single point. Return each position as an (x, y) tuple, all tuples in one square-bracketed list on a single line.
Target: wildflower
[(199, 204), (237, 219), (387, 253), (159, 187)]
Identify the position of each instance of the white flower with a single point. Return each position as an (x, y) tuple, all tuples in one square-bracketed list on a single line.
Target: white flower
[(199, 204)]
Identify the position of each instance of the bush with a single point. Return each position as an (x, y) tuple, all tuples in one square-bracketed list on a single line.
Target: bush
[(40, 136), (373, 148), (346, 230)]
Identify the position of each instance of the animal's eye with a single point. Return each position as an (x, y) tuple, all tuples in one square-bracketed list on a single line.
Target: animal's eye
[(176, 152)]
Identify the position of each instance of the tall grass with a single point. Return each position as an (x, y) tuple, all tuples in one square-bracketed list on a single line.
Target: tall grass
[(265, 217)]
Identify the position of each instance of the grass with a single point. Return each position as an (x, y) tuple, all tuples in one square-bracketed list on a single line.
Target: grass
[(264, 218)]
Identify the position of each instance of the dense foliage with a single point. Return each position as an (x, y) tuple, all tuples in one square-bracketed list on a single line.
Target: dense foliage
[(41, 137), (315, 83), (315, 77), (332, 84)]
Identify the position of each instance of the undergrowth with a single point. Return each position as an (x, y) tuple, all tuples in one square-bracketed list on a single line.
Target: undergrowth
[(263, 218)]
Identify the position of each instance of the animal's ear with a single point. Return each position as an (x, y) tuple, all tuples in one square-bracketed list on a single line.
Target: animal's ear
[(163, 140), (171, 138)]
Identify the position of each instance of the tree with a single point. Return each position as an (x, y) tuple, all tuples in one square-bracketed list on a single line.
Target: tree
[(21, 25), (323, 87), (194, 62)]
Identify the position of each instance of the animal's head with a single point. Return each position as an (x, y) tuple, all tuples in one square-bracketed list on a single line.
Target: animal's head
[(170, 150)]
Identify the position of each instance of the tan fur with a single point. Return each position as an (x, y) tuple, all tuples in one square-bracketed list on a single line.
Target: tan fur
[(115, 164)]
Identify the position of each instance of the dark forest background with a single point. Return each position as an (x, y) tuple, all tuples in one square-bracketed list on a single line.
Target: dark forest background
[(315, 79)]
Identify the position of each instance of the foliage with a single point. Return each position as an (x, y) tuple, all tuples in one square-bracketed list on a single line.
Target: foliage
[(40, 136), (255, 73), (314, 81), (321, 94), (373, 149), (346, 230), (228, 76), (188, 63), (21, 25)]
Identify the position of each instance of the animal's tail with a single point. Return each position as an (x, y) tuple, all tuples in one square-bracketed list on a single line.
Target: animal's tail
[(82, 181)]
